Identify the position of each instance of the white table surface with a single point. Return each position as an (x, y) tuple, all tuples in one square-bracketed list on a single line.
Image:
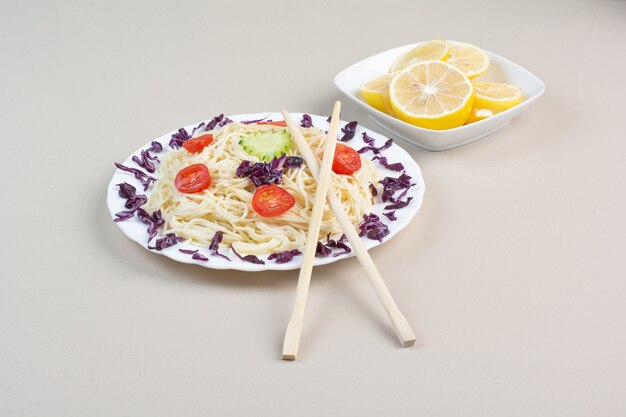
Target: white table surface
[(512, 275)]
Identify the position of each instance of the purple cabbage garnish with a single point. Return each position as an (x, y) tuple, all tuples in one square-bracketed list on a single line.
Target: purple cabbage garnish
[(168, 240), (146, 161), (215, 245), (399, 204), (199, 257), (154, 221), (284, 257), (136, 201), (155, 147), (123, 215), (348, 131), (293, 162), (396, 166), (322, 250), (391, 185), (182, 135), (126, 190), (306, 121), (373, 190), (133, 201), (372, 145), (248, 258), (373, 228), (391, 215), (218, 121), (263, 173), (249, 122), (141, 176), (195, 254), (178, 138), (325, 249)]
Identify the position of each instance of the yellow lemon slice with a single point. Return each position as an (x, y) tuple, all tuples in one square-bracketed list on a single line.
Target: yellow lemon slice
[(496, 97), (471, 60), (432, 94), (435, 50), (376, 93), (478, 114)]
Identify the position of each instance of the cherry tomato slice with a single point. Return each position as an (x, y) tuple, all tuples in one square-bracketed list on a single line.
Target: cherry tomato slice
[(195, 145), (281, 123), (272, 200), (346, 161), (193, 179)]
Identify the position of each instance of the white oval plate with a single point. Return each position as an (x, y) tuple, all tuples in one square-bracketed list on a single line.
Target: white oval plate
[(501, 70), (136, 230)]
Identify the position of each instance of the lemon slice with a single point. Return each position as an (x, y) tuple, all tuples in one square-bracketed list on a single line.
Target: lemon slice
[(471, 60), (376, 93), (432, 94), (496, 97), (436, 50), (477, 114)]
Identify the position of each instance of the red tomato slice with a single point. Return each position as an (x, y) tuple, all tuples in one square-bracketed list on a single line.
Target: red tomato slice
[(193, 179), (272, 200), (196, 145), (346, 161), (281, 123)]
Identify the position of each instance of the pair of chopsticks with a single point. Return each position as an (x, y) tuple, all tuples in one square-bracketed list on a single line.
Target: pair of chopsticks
[(322, 175)]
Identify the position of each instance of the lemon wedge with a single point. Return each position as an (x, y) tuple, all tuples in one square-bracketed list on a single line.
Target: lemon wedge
[(376, 93), (496, 97), (437, 50), (470, 59), (432, 94)]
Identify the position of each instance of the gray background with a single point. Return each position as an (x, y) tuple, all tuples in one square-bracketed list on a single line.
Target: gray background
[(512, 274)]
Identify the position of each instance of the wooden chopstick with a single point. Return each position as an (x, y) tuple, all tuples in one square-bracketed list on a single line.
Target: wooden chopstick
[(398, 321), (294, 329)]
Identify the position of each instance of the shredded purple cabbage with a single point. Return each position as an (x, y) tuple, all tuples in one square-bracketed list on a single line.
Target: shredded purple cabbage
[(146, 161), (248, 258), (293, 162), (372, 145), (188, 251), (136, 201), (325, 249), (126, 190), (306, 121), (133, 201), (154, 221), (215, 245), (249, 122), (391, 185), (399, 204), (391, 215), (373, 228), (141, 176), (182, 135), (348, 131), (123, 215), (373, 190), (195, 254), (396, 166), (168, 240), (263, 173), (284, 257), (178, 138), (155, 147)]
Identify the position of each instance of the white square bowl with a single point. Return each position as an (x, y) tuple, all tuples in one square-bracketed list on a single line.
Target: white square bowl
[(502, 70)]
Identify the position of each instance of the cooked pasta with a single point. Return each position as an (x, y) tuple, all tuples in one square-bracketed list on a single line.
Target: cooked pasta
[(226, 205)]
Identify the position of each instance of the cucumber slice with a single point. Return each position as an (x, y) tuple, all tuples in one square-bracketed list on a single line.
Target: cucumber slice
[(266, 144)]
